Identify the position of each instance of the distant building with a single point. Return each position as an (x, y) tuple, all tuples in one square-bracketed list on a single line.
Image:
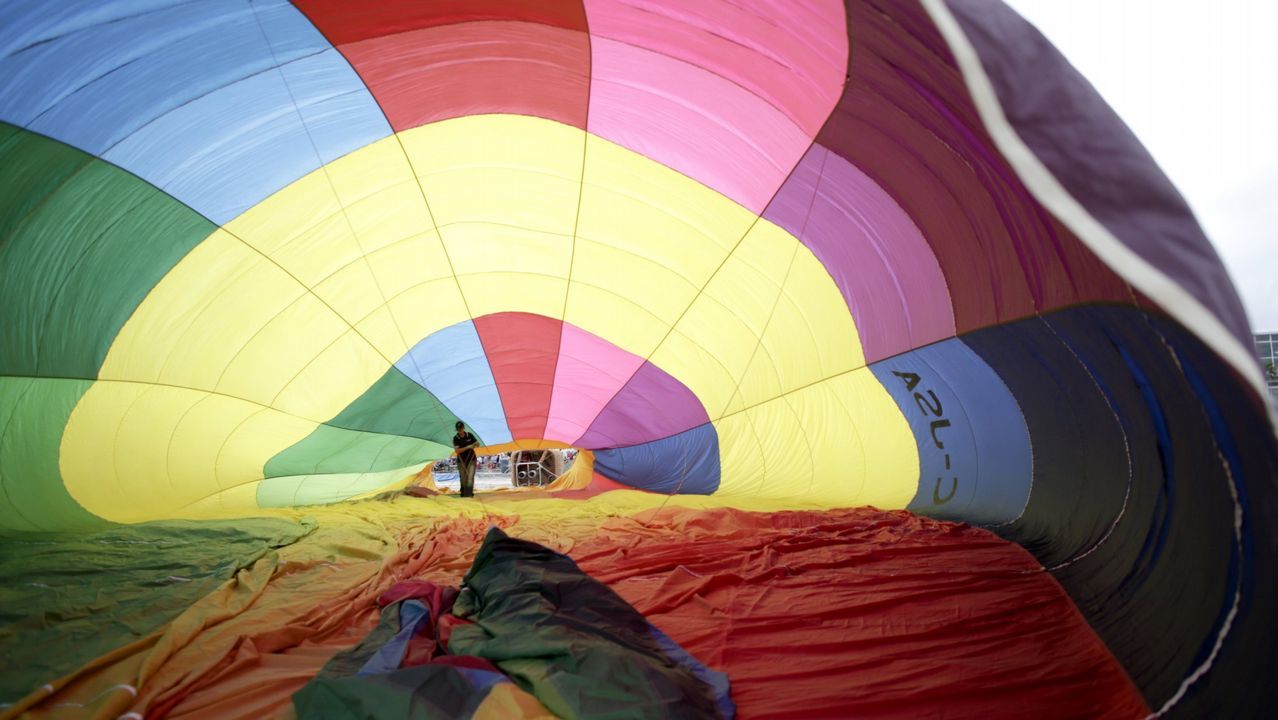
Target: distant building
[(1267, 349)]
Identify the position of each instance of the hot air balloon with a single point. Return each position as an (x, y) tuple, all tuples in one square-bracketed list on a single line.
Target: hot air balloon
[(902, 382)]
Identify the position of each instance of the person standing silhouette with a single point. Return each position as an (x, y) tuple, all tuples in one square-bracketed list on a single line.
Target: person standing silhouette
[(464, 445)]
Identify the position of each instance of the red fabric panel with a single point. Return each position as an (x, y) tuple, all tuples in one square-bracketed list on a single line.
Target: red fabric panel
[(907, 121), (344, 21), (438, 73), (522, 350), (862, 613)]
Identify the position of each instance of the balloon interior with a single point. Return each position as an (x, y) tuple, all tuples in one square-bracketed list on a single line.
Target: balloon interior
[(897, 380)]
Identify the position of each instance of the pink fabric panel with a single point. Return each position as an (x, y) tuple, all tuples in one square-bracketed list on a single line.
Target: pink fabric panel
[(590, 372), (879, 259), (693, 121), (791, 53)]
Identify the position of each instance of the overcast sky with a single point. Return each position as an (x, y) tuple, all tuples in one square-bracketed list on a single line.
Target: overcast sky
[(1198, 83)]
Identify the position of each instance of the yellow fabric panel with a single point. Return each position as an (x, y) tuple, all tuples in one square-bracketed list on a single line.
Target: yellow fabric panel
[(134, 452), (514, 292), (823, 312), (504, 269), (349, 363), (197, 443), (888, 444), (610, 314), (314, 253), (427, 307), (787, 456), (236, 500), (503, 190), (409, 262), (380, 203), (839, 442), (383, 331), (810, 336), (354, 292), (514, 170), (741, 461), (714, 341), (361, 252), (257, 372), (295, 210), (371, 170), (479, 247), (200, 315), (650, 235)]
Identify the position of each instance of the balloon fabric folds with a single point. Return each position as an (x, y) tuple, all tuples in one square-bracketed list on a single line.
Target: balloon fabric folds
[(759, 263)]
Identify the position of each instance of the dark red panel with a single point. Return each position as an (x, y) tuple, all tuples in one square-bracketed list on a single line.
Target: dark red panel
[(522, 351), (437, 73), (347, 21)]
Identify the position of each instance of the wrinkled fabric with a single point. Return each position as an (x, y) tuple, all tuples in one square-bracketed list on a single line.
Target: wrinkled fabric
[(575, 644)]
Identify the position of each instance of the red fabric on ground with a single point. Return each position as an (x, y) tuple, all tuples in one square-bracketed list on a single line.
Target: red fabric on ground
[(850, 613), (863, 613)]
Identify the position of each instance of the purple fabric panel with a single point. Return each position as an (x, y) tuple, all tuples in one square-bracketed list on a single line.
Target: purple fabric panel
[(1095, 156), (652, 405), (789, 207), (886, 271)]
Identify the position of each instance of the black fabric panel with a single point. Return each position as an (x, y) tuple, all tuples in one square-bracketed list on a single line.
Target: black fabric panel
[(1155, 588), (1080, 458), (1144, 542), (1240, 682)]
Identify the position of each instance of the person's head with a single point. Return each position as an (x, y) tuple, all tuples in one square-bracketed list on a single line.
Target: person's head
[(460, 426)]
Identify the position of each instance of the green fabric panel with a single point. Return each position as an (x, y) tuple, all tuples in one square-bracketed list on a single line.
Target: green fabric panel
[(394, 424), (397, 405), (84, 243), (336, 450), (33, 413), (324, 489), (67, 598)]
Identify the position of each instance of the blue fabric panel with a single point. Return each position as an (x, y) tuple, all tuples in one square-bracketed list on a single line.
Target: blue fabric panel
[(188, 96), (975, 462), (481, 679), (451, 364), (686, 464), (412, 615)]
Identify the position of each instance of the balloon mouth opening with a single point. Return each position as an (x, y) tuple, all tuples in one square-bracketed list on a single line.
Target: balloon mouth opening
[(537, 469)]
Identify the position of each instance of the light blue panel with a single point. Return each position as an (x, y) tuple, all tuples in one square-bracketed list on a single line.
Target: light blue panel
[(189, 96), (213, 158), (451, 364), (975, 461)]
